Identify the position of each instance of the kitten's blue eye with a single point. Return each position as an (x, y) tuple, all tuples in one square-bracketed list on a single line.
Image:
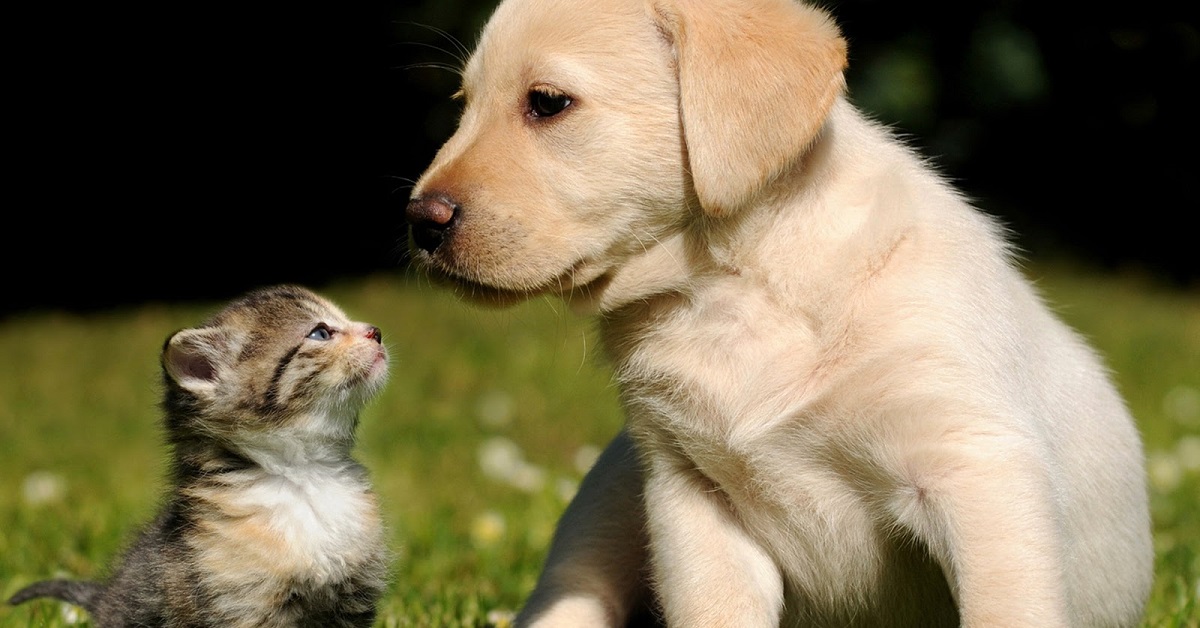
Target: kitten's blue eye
[(320, 332)]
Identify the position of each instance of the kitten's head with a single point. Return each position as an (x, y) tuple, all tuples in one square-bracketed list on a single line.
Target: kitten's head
[(279, 359)]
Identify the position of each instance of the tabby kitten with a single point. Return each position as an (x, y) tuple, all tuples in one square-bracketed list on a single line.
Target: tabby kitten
[(269, 521)]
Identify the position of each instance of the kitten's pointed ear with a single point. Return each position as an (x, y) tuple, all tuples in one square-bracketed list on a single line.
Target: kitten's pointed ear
[(757, 79), (189, 357)]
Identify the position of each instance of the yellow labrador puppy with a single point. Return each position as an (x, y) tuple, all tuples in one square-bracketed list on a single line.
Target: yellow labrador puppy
[(846, 406)]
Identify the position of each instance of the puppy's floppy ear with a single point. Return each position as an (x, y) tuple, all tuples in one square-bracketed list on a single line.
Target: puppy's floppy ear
[(756, 80)]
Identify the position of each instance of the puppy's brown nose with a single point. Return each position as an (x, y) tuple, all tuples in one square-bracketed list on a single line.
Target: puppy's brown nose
[(430, 217)]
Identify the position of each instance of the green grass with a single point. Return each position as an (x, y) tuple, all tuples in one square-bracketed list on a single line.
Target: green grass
[(81, 458)]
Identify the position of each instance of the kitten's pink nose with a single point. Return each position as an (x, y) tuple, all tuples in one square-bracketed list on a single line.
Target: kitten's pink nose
[(374, 334)]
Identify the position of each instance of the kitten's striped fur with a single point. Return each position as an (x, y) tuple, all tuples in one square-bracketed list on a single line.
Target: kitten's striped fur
[(270, 522)]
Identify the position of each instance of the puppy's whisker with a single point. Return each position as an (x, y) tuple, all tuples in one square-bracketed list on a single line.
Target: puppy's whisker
[(424, 44), (461, 52), (583, 357), (435, 65), (678, 265)]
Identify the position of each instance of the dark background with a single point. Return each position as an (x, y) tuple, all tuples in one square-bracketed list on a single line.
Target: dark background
[(190, 151)]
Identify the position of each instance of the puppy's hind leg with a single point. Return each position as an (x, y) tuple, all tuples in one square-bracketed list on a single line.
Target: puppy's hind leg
[(595, 573)]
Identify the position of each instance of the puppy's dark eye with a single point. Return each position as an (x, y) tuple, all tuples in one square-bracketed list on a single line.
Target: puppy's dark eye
[(320, 332), (547, 104)]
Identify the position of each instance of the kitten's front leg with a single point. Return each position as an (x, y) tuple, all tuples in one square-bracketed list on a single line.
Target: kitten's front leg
[(707, 571)]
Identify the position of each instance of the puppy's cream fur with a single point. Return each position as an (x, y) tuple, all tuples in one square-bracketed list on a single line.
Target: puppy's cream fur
[(846, 405)]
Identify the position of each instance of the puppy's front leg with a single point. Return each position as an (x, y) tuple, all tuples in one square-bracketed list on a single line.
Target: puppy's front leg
[(594, 575), (707, 572), (986, 508)]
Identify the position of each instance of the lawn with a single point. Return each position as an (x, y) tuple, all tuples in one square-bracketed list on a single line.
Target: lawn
[(487, 424)]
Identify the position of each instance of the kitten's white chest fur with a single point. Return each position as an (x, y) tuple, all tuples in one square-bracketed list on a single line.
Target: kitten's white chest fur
[(303, 517), (323, 512)]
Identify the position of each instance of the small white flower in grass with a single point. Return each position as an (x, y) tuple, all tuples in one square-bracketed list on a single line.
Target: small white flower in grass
[(1182, 405), (71, 614), (527, 477), (495, 409), (500, 618), (488, 528), (502, 460), (42, 487), (499, 457), (1165, 471), (585, 457), (1187, 450)]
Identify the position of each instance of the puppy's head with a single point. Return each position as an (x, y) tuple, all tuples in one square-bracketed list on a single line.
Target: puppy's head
[(591, 131)]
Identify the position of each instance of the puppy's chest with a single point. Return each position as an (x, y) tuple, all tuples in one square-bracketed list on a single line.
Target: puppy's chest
[(788, 479), (738, 401), (722, 372)]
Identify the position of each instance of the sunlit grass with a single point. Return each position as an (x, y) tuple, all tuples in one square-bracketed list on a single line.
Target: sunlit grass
[(487, 423)]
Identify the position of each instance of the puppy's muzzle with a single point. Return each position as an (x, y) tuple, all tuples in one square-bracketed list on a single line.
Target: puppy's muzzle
[(430, 218)]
